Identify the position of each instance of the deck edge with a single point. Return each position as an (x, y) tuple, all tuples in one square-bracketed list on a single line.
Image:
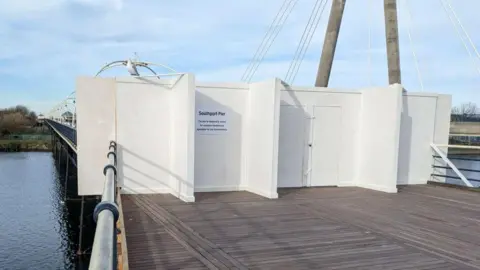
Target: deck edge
[(123, 238), (472, 189)]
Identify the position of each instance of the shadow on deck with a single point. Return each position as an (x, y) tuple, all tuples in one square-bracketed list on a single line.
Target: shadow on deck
[(421, 227)]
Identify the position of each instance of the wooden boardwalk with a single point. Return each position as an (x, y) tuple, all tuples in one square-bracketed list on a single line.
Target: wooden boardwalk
[(421, 227)]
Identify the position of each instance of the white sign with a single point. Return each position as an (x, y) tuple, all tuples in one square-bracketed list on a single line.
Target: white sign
[(211, 122)]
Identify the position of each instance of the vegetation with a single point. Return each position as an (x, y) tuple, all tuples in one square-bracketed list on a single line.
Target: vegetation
[(466, 112), (19, 120), (19, 131)]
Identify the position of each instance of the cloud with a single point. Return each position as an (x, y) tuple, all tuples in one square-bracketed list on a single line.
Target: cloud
[(46, 44), (109, 4), (15, 9)]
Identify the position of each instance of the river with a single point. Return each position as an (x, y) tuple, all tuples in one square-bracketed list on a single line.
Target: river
[(465, 164), (38, 229)]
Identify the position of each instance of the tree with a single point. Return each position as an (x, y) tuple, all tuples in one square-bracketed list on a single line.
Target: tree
[(32, 115), (465, 111), (22, 109), (16, 119)]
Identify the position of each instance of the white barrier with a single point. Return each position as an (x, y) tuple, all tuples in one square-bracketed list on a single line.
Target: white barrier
[(180, 136)]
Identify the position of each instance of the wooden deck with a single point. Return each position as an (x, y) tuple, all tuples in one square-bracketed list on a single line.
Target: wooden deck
[(421, 227)]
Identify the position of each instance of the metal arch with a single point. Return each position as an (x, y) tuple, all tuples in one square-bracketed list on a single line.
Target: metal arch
[(72, 97), (110, 65), (147, 67), (142, 64), (159, 65)]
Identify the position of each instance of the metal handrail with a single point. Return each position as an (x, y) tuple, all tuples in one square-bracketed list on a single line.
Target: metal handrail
[(455, 177), (104, 251), (460, 169), (64, 138), (444, 157), (459, 158)]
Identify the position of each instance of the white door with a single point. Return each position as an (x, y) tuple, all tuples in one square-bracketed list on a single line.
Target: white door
[(291, 147), (325, 147)]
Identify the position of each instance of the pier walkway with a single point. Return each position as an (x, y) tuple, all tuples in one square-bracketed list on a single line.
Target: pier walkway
[(421, 227), (67, 133)]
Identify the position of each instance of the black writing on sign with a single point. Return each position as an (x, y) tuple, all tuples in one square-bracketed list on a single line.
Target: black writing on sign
[(211, 113), (211, 121), (211, 129)]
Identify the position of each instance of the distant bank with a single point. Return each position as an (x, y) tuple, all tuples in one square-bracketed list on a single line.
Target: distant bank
[(461, 151), (31, 143)]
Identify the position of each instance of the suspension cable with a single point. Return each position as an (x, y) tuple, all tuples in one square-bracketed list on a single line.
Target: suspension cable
[(250, 64), (272, 33), (312, 33), (463, 28), (460, 36), (419, 74), (312, 21), (273, 39), (301, 42), (369, 51)]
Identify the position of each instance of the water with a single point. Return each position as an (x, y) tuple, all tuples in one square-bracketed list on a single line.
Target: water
[(465, 164), (38, 230)]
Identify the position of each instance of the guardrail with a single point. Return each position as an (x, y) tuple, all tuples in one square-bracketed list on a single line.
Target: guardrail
[(104, 251), (67, 122), (465, 139), (449, 165), (68, 134)]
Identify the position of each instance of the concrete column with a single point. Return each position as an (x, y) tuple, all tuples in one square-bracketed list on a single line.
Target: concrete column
[(330, 43), (393, 48)]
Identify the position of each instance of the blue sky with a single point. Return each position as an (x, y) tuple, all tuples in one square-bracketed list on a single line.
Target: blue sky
[(46, 44)]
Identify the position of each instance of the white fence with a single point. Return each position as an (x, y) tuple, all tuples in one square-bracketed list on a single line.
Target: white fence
[(181, 136)]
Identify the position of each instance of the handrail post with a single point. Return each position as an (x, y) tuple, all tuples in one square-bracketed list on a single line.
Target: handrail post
[(104, 252)]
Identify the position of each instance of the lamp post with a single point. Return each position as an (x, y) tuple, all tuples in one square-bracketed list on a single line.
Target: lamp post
[(71, 99)]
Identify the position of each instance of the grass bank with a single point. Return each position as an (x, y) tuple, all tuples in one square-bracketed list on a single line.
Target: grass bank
[(462, 151), (25, 145)]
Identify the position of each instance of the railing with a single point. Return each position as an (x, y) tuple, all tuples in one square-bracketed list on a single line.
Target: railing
[(465, 118), (459, 172), (68, 134), (104, 251), (465, 139), (69, 123)]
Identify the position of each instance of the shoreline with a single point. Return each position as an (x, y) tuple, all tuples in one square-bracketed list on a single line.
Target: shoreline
[(8, 146), (461, 151)]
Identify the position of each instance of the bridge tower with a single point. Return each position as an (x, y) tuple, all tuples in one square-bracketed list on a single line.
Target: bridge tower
[(331, 37)]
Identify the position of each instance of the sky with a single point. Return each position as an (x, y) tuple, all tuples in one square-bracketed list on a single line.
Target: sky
[(46, 44)]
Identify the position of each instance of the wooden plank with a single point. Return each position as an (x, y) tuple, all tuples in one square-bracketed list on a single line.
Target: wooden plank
[(189, 238), (121, 238), (149, 246), (421, 227)]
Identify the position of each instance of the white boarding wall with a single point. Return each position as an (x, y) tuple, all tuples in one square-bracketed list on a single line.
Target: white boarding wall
[(219, 152), (95, 101), (425, 119), (151, 120), (143, 135), (379, 138), (262, 138), (328, 122)]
